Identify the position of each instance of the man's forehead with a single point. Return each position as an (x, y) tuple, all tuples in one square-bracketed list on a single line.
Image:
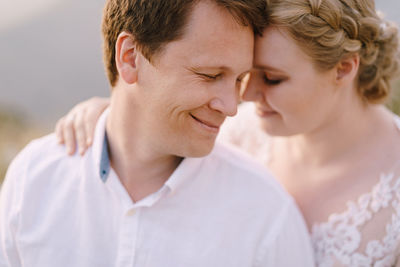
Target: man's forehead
[(213, 39), (210, 19)]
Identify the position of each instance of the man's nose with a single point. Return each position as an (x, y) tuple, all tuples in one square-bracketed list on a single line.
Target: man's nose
[(227, 100)]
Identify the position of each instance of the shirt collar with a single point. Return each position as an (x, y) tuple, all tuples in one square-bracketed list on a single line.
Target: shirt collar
[(397, 121), (100, 148), (187, 170)]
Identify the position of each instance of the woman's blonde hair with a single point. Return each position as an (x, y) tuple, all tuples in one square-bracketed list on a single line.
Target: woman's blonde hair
[(330, 30)]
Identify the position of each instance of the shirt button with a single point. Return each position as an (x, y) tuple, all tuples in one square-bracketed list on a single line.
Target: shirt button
[(131, 213)]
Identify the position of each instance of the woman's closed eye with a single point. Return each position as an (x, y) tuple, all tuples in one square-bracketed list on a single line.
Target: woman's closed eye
[(272, 80)]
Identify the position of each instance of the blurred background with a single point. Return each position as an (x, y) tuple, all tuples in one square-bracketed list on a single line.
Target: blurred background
[(50, 59)]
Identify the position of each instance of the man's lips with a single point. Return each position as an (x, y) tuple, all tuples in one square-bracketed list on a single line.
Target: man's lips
[(212, 125)]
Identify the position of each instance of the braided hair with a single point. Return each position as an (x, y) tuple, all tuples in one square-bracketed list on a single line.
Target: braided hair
[(330, 30)]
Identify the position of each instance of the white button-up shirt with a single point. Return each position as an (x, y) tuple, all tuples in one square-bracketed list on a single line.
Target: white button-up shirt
[(220, 210)]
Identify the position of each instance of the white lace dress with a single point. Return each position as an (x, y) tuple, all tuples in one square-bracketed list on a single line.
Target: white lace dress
[(343, 240)]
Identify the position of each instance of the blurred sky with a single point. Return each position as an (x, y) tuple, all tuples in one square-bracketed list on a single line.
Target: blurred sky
[(50, 54)]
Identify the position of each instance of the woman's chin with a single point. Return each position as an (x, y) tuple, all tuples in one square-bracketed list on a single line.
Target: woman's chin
[(274, 126)]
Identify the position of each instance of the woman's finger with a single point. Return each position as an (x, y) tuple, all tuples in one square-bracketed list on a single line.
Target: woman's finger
[(80, 132), (69, 135)]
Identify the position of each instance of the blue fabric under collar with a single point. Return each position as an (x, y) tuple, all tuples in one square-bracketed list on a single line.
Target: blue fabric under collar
[(104, 160)]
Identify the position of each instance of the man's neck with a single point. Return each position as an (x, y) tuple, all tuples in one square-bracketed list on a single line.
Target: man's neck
[(141, 169)]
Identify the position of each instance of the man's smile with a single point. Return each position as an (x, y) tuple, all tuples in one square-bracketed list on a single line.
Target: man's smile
[(212, 126)]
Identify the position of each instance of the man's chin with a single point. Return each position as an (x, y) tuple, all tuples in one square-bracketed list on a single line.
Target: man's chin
[(199, 151), (201, 154)]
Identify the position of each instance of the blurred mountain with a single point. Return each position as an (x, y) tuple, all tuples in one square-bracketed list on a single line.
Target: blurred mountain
[(15, 133)]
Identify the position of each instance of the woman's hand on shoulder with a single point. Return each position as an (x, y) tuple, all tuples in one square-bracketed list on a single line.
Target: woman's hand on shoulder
[(77, 127)]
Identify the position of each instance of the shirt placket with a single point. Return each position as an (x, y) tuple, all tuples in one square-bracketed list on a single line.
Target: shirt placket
[(128, 238)]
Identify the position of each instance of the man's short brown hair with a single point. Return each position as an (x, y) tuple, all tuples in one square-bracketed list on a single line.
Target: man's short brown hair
[(154, 23)]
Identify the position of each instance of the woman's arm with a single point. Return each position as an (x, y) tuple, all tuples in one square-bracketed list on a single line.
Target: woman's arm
[(77, 127)]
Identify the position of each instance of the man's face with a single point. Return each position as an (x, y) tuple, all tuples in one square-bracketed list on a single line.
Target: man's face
[(194, 82)]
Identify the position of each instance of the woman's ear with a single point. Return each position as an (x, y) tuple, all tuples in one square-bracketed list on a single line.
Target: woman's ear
[(347, 69), (125, 57)]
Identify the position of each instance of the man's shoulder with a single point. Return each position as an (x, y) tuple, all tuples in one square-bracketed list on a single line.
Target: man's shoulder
[(243, 171), (41, 159), (46, 150), (248, 188), (44, 143)]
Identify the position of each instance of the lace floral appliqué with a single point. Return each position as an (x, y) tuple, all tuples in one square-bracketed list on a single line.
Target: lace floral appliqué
[(339, 238)]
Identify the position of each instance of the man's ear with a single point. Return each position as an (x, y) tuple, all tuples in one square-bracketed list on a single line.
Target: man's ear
[(125, 57), (347, 69)]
